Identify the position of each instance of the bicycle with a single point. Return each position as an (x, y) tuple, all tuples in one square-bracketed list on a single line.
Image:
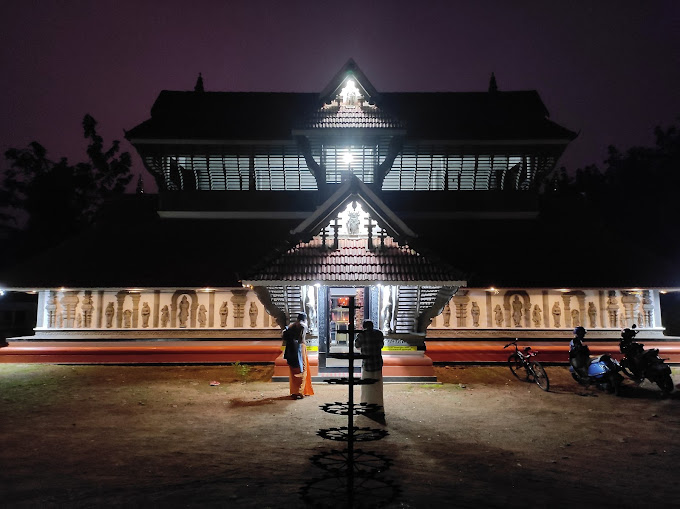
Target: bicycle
[(533, 370)]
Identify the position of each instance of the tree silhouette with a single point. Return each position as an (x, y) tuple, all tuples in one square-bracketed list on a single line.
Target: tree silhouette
[(57, 199)]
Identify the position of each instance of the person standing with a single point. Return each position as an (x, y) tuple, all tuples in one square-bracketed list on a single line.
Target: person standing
[(370, 342), (295, 354)]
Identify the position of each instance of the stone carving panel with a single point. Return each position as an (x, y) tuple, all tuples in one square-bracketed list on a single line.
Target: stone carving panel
[(536, 315), (202, 316), (252, 313), (474, 311), (592, 315), (108, 313), (146, 312), (165, 316), (224, 313), (557, 314)]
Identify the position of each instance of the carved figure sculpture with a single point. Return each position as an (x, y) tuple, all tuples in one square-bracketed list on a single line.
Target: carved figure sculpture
[(557, 314), (146, 312), (202, 315), (353, 223), (87, 308), (474, 311), (109, 315), (387, 318), (447, 315), (79, 320), (498, 313), (183, 311), (592, 314), (252, 312), (517, 311), (127, 318), (536, 315), (575, 318), (165, 316), (224, 312)]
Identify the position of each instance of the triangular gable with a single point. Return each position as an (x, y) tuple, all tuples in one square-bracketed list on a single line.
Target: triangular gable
[(349, 71), (354, 190)]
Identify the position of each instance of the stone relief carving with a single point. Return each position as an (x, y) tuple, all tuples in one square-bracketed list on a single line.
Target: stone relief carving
[(127, 318), (165, 316), (224, 313), (613, 310), (475, 314), (183, 313), (575, 318), (498, 314), (592, 315), (87, 307), (557, 313), (79, 320), (109, 315), (146, 312), (202, 315), (252, 313), (517, 311), (447, 315), (536, 315), (60, 321)]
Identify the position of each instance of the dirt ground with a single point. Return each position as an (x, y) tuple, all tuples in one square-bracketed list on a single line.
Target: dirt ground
[(163, 436)]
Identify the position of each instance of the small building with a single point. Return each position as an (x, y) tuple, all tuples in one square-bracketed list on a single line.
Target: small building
[(422, 206)]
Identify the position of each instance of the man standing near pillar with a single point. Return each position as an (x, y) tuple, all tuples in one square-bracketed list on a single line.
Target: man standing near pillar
[(370, 342)]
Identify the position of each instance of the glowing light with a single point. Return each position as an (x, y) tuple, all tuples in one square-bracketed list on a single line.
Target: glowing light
[(318, 285), (206, 290), (563, 290), (2, 292), (135, 290), (493, 290), (343, 301), (349, 93), (347, 157)]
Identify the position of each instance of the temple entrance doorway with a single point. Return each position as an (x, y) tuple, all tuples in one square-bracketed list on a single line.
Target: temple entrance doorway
[(337, 338)]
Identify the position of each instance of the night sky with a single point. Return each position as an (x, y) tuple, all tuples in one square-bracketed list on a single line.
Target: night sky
[(609, 69)]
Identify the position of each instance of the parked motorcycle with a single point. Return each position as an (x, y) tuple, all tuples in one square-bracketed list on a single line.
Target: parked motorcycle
[(601, 371), (639, 363)]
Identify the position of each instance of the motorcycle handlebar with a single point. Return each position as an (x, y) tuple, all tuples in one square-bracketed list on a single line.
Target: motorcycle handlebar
[(511, 343)]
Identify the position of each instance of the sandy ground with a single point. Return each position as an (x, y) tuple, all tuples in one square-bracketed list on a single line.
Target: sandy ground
[(162, 436)]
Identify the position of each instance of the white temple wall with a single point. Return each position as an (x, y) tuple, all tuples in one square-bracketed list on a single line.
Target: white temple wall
[(111, 309), (506, 309)]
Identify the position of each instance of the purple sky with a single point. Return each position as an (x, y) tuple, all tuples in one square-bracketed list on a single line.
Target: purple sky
[(609, 69)]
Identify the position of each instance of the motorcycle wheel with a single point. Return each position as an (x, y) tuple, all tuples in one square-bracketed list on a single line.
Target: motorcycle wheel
[(517, 367), (665, 384)]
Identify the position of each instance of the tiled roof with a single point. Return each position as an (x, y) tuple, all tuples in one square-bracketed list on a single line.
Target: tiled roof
[(357, 117), (354, 262)]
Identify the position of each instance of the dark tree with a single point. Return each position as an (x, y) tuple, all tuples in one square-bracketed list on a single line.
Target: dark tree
[(55, 200)]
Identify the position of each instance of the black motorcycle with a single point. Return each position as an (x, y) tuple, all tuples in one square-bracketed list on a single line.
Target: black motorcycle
[(639, 363)]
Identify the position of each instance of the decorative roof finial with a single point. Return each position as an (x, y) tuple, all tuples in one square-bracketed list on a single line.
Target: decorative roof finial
[(493, 87), (199, 84)]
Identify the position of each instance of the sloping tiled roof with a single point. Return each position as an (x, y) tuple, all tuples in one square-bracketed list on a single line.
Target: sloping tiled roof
[(357, 117), (236, 116), (353, 262)]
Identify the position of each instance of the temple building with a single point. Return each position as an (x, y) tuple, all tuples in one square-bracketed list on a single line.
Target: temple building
[(422, 206)]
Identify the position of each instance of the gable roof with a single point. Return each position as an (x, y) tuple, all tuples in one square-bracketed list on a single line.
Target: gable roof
[(348, 71), (354, 190), (353, 264)]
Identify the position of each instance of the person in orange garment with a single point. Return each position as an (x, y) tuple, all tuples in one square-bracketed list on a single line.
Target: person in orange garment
[(296, 357)]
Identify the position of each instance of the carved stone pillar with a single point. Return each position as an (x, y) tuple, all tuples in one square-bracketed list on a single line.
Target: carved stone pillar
[(68, 302), (238, 299), (567, 310), (613, 310), (461, 302), (647, 309), (135, 309), (51, 309), (120, 299), (630, 305)]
